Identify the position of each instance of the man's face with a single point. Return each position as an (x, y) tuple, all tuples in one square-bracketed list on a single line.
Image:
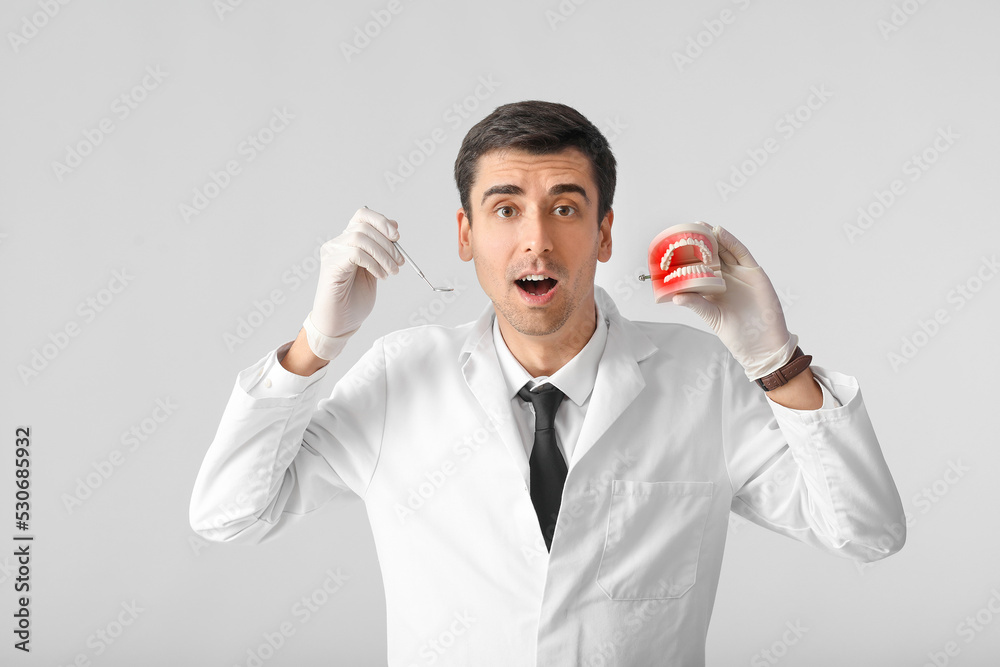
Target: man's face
[(535, 215)]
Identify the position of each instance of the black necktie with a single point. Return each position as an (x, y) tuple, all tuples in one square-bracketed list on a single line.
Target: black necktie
[(546, 463)]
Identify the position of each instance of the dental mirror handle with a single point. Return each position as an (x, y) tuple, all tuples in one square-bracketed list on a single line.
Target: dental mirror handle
[(419, 272)]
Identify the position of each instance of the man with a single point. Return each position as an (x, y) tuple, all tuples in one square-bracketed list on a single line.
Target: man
[(541, 489)]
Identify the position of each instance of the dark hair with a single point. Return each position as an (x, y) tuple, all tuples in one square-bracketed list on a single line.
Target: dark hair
[(539, 128)]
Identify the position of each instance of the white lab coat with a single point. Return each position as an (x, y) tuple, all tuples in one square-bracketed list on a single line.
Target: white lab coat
[(674, 438)]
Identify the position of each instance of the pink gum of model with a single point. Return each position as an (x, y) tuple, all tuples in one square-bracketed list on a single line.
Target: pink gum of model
[(684, 247)]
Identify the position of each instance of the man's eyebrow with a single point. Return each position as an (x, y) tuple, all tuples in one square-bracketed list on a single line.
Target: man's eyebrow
[(561, 188), (501, 190)]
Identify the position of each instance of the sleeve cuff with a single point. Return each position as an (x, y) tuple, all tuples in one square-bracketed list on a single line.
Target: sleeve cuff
[(829, 400), (268, 378)]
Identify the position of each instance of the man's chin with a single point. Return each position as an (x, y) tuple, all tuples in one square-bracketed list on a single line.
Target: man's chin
[(533, 320), (536, 321), (533, 329)]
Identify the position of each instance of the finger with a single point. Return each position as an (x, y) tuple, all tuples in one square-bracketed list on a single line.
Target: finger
[(701, 306), (397, 253), (359, 259), (729, 250), (362, 259), (384, 225), (371, 253), (379, 228), (378, 237), (732, 250)]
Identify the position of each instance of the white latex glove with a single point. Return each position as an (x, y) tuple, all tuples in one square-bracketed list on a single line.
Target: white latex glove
[(747, 317), (349, 267)]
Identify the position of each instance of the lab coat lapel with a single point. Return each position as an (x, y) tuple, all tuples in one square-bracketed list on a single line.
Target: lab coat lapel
[(619, 379), (481, 369)]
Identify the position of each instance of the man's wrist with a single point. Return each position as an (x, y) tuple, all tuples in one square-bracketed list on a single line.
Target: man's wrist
[(802, 392), (300, 359)]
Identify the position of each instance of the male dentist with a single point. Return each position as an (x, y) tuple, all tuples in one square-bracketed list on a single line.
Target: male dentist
[(574, 500)]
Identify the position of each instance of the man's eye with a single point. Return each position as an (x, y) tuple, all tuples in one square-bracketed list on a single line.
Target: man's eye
[(566, 210), (509, 209)]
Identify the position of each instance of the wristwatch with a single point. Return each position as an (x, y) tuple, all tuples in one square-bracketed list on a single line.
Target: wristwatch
[(798, 363)]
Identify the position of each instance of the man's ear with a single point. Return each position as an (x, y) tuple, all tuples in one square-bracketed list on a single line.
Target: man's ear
[(464, 235), (604, 243)]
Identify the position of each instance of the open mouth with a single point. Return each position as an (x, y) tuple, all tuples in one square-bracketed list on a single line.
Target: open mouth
[(536, 284)]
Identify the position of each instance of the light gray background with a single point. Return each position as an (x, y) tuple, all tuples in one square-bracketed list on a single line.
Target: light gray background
[(676, 131)]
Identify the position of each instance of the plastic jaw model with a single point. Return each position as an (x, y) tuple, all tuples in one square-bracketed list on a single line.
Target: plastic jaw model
[(683, 258)]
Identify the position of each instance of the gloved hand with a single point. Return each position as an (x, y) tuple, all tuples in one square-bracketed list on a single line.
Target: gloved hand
[(747, 317), (349, 266)]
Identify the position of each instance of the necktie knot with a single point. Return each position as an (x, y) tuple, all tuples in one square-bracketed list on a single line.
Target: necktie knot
[(546, 401)]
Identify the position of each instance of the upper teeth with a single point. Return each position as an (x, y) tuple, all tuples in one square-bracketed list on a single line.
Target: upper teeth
[(534, 277), (706, 254)]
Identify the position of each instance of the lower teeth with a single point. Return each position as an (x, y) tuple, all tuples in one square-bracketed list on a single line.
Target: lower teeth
[(690, 271)]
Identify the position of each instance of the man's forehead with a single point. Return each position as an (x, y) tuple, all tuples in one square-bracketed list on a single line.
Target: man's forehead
[(515, 158), (508, 165)]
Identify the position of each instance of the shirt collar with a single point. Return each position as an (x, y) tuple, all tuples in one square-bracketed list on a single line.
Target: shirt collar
[(575, 379)]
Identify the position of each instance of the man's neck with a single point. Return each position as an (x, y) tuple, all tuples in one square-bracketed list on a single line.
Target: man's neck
[(544, 355)]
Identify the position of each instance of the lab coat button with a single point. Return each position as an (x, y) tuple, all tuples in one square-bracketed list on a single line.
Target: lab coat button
[(267, 383)]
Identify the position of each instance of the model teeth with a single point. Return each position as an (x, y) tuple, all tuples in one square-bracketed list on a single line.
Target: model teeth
[(534, 277), (706, 254), (693, 269)]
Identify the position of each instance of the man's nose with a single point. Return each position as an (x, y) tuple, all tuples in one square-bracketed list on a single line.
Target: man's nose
[(535, 232)]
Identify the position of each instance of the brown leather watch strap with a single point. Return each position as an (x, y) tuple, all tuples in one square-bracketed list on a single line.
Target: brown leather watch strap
[(798, 363)]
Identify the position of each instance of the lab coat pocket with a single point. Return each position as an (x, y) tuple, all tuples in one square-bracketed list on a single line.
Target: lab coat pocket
[(653, 538)]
